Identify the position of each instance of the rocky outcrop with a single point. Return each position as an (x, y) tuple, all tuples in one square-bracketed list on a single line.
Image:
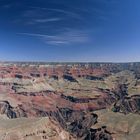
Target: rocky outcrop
[(79, 123), (99, 134), (7, 109), (124, 103), (128, 105)]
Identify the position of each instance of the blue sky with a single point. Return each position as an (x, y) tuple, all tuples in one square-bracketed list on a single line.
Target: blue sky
[(70, 30)]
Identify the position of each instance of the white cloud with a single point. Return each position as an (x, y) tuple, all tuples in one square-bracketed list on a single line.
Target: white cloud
[(46, 20), (65, 38)]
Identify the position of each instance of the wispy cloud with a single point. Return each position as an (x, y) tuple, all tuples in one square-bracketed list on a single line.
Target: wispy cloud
[(41, 21), (32, 34), (66, 38), (56, 10), (39, 15), (46, 20)]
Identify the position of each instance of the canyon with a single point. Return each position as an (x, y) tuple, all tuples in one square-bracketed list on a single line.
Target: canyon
[(69, 101)]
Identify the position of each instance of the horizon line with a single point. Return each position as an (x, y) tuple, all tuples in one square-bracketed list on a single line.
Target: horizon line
[(43, 61)]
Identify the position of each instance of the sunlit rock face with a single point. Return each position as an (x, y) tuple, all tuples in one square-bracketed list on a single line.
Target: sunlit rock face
[(60, 101)]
